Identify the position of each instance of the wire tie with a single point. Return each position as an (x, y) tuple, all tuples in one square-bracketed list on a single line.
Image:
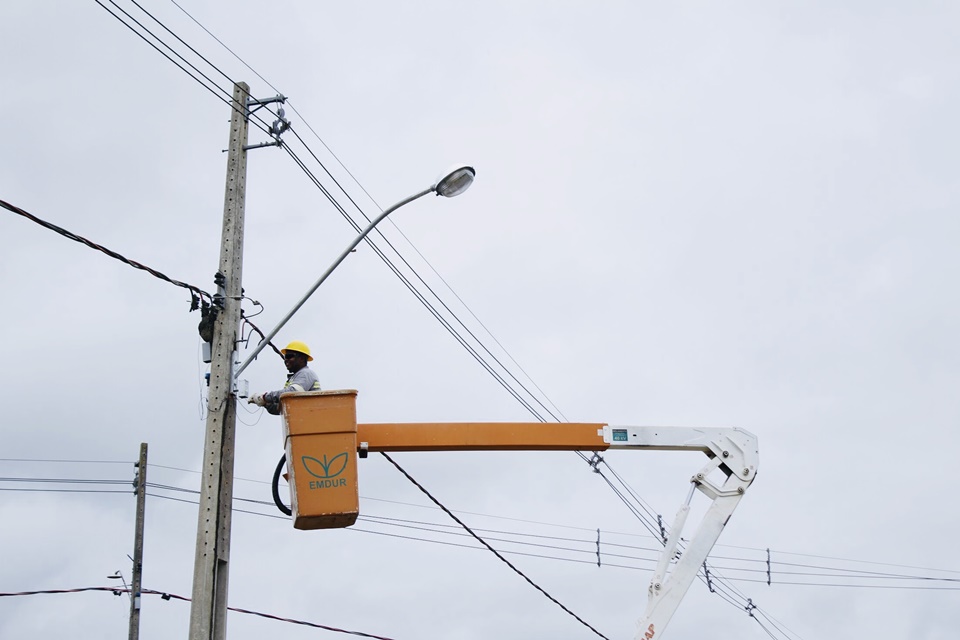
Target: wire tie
[(768, 566), (707, 574), (598, 547), (595, 461)]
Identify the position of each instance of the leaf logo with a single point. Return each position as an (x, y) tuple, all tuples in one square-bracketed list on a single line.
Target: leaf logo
[(323, 468)]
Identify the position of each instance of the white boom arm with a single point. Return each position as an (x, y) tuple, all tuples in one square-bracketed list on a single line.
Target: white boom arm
[(734, 452)]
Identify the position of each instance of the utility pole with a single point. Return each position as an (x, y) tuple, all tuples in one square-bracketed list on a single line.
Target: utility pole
[(141, 485), (208, 610)]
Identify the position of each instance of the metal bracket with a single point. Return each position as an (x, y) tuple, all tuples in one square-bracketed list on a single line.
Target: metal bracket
[(279, 125)]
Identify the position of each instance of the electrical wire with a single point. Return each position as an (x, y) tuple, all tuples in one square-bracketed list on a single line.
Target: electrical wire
[(505, 384), (364, 190), (198, 292), (24, 489), (68, 461), (262, 125), (168, 596), (552, 542), (421, 297), (443, 321), (484, 543)]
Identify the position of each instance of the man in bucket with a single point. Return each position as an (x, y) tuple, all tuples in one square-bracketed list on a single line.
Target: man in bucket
[(300, 377)]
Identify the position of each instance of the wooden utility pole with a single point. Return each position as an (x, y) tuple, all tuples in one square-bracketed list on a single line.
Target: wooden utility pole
[(208, 610), (141, 484)]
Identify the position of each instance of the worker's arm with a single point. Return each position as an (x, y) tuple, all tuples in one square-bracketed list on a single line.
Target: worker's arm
[(303, 380)]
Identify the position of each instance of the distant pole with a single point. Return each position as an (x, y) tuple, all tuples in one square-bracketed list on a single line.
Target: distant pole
[(208, 610), (141, 484)]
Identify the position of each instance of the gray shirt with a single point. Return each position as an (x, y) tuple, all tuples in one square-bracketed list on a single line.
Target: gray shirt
[(303, 380)]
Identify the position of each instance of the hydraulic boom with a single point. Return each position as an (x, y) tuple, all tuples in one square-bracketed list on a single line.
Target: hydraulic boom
[(323, 441)]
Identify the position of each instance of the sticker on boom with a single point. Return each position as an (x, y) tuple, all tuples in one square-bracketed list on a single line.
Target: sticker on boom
[(619, 435)]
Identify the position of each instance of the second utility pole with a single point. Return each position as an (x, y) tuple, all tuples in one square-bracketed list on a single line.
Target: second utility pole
[(137, 579), (208, 610)]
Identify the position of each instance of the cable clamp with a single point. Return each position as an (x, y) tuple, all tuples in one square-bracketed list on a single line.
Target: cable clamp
[(595, 461)]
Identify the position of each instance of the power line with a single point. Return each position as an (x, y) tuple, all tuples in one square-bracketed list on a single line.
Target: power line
[(196, 291), (215, 89), (790, 569), (507, 386), (68, 461), (413, 289), (484, 543), (168, 596), (395, 226)]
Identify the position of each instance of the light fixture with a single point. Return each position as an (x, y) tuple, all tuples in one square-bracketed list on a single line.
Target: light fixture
[(455, 182)]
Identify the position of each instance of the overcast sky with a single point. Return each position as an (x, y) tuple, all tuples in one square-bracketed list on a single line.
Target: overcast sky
[(696, 214)]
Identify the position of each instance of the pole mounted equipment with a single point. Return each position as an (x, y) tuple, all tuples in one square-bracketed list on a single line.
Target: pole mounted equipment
[(279, 125)]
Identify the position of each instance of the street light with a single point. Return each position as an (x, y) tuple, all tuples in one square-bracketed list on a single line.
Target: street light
[(449, 184)]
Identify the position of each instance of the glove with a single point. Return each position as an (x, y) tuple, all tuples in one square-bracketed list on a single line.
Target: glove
[(257, 399)]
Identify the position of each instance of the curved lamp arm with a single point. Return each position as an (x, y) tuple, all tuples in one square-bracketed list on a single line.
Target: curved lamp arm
[(451, 184)]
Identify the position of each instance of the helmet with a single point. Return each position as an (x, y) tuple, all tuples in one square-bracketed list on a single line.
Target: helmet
[(300, 347)]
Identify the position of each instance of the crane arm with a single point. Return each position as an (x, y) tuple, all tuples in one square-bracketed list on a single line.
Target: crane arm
[(322, 440), (733, 454)]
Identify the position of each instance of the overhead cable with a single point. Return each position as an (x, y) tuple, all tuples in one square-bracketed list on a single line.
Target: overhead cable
[(168, 596), (370, 197), (492, 550), (221, 94), (197, 291)]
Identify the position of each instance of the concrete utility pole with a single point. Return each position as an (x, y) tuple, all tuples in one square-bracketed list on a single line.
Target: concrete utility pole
[(141, 484), (208, 611)]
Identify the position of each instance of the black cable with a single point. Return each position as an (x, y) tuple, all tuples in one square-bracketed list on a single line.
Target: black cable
[(284, 509), (242, 61), (248, 96), (422, 297), (161, 52), (167, 596), (69, 461), (476, 548), (591, 552), (407, 282), (64, 490), (113, 254), (722, 589), (264, 127), (262, 335), (436, 314), (66, 480), (329, 196), (776, 625), (492, 550), (513, 533)]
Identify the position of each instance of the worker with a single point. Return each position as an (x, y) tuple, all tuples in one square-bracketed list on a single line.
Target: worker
[(300, 377)]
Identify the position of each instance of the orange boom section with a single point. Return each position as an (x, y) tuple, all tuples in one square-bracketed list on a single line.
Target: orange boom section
[(482, 436), (322, 437)]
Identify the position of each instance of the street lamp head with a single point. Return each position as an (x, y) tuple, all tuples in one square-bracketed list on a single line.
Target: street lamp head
[(454, 182)]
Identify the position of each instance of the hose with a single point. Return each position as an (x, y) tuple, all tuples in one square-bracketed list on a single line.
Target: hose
[(276, 491)]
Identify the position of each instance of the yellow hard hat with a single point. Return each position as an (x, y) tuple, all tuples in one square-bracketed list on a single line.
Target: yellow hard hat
[(300, 347)]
